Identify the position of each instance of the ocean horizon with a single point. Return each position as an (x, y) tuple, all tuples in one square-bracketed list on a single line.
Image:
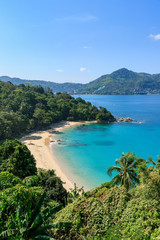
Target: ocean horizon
[(87, 151)]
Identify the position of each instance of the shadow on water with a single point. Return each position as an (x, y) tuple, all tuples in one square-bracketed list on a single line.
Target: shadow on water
[(77, 144), (104, 135), (104, 143), (93, 128)]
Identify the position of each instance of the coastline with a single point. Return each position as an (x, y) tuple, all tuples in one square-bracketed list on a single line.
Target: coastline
[(38, 143)]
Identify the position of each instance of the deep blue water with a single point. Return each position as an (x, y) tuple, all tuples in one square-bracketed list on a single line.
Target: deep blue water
[(89, 150)]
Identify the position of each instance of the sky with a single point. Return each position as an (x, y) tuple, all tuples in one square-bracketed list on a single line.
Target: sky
[(78, 40)]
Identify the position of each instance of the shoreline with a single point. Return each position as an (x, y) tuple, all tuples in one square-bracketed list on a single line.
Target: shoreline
[(38, 143)]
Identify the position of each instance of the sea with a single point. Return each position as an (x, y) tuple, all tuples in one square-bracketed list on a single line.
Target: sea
[(86, 152)]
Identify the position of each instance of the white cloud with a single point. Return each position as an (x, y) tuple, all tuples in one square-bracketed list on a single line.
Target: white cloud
[(83, 69), (59, 70), (155, 37), (85, 18), (86, 47)]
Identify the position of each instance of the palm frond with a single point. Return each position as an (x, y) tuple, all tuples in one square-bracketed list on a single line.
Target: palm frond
[(51, 212), (150, 159), (113, 168), (132, 165), (43, 216), (116, 180), (127, 171), (8, 233), (135, 178), (37, 208), (38, 220)]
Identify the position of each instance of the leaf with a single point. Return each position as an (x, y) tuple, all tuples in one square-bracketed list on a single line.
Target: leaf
[(37, 208), (9, 233)]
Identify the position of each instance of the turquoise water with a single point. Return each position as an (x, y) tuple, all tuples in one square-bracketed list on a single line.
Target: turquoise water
[(89, 150)]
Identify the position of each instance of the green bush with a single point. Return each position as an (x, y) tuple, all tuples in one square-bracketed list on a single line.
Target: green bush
[(52, 185), (8, 180), (16, 158)]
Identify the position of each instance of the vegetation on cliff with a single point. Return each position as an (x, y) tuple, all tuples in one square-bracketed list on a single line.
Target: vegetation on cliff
[(23, 108), (127, 207), (115, 210), (25, 210)]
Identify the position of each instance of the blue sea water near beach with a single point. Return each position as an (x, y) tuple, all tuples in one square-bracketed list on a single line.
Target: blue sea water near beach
[(87, 151)]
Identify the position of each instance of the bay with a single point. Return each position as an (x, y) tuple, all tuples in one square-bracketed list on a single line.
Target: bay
[(89, 150)]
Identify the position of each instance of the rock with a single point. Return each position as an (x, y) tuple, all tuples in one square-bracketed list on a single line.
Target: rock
[(128, 119), (60, 140)]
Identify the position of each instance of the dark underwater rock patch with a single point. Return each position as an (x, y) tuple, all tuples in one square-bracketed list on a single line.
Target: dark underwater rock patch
[(105, 143)]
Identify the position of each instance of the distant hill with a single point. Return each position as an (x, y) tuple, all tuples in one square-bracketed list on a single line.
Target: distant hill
[(55, 87), (122, 81)]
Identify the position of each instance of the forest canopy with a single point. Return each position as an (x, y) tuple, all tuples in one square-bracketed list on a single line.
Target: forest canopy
[(27, 107)]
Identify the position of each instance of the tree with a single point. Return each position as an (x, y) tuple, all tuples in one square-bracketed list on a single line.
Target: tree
[(127, 175), (16, 158), (8, 180), (104, 115), (52, 185), (30, 224), (23, 108), (75, 193)]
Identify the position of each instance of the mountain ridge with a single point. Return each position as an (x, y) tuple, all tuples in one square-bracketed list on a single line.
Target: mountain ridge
[(121, 81)]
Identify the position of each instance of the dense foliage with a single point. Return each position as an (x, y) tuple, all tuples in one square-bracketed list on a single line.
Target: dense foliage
[(23, 108), (27, 219), (8, 180), (127, 174), (112, 212), (124, 81), (130, 210), (22, 186), (17, 166), (121, 81), (106, 212), (52, 185), (17, 159)]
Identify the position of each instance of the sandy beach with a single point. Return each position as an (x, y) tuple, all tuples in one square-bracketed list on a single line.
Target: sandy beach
[(38, 143)]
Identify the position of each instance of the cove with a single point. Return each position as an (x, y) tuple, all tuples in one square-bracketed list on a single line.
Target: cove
[(87, 151)]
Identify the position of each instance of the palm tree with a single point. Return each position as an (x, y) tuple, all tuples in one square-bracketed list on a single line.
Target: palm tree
[(75, 193), (127, 175), (31, 224)]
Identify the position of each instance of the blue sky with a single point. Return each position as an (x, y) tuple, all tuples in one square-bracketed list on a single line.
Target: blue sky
[(78, 41)]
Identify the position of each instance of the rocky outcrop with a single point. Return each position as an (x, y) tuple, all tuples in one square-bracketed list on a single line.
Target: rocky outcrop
[(128, 119)]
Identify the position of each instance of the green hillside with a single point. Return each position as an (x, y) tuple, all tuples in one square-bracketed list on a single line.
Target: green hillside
[(27, 107), (55, 87), (113, 213), (122, 81), (34, 204)]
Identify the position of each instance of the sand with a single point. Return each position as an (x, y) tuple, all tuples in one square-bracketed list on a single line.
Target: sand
[(39, 144)]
